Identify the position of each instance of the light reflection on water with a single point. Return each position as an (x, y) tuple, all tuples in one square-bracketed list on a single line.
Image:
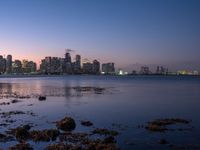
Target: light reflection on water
[(128, 101)]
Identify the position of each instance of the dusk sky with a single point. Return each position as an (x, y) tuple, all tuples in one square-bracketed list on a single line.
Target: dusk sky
[(127, 32)]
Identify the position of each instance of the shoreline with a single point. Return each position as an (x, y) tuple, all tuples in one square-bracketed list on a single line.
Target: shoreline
[(69, 75)]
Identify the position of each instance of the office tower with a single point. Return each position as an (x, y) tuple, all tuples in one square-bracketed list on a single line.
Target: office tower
[(96, 67), (87, 68), (17, 67), (9, 64), (144, 70), (76, 66), (108, 68)]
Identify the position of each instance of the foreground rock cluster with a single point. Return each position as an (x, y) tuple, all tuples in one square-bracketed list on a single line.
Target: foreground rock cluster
[(161, 125), (62, 138)]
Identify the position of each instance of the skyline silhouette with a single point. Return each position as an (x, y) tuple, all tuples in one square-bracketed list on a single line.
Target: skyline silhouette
[(128, 33)]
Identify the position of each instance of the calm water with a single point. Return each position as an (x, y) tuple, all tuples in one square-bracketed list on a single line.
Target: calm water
[(127, 101)]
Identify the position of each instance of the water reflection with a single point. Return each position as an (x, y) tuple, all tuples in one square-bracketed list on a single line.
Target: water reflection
[(33, 90)]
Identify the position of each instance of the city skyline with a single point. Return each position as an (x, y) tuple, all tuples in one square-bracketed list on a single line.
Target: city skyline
[(128, 33)]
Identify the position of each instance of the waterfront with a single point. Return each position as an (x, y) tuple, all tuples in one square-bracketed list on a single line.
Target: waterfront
[(126, 103)]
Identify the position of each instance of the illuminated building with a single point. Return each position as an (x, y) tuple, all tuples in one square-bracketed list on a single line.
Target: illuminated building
[(108, 68)]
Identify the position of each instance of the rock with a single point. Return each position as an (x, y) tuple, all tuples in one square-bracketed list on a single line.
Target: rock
[(5, 138), (27, 127), (21, 146), (162, 141), (155, 128), (63, 146), (44, 135), (15, 101), (159, 125), (86, 123), (105, 132), (66, 124), (42, 98), (21, 134), (109, 139)]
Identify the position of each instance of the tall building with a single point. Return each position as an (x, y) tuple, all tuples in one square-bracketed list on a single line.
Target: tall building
[(144, 70), (56, 65), (9, 64), (160, 70), (28, 66), (17, 67), (96, 67), (48, 65), (76, 66), (108, 68), (68, 58), (2, 65), (68, 63), (87, 68)]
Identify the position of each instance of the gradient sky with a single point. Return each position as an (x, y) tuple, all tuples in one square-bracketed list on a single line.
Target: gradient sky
[(127, 32)]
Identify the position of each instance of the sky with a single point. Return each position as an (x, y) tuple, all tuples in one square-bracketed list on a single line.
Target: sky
[(128, 32)]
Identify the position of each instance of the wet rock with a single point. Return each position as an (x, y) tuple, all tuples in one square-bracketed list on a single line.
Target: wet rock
[(163, 122), (27, 127), (15, 101), (44, 135), (105, 132), (66, 124), (4, 103), (42, 98), (155, 128), (86, 123), (21, 146), (8, 114), (159, 125), (73, 137), (99, 90), (3, 124), (63, 146), (21, 134), (4, 138), (162, 141), (109, 139), (98, 145)]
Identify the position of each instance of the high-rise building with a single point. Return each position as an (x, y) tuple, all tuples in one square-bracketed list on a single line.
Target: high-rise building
[(28, 66), (144, 70), (77, 65), (56, 65), (9, 64), (68, 63), (2, 66), (87, 68), (160, 70), (48, 65), (68, 58), (17, 67), (108, 68), (96, 67)]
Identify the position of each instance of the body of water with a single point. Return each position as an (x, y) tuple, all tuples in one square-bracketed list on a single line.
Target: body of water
[(126, 103)]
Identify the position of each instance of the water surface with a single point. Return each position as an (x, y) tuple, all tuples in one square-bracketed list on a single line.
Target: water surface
[(126, 103)]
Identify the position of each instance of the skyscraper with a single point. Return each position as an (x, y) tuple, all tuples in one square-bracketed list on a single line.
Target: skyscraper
[(17, 67), (9, 64), (77, 65), (108, 68), (68, 63), (96, 67), (2, 65)]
